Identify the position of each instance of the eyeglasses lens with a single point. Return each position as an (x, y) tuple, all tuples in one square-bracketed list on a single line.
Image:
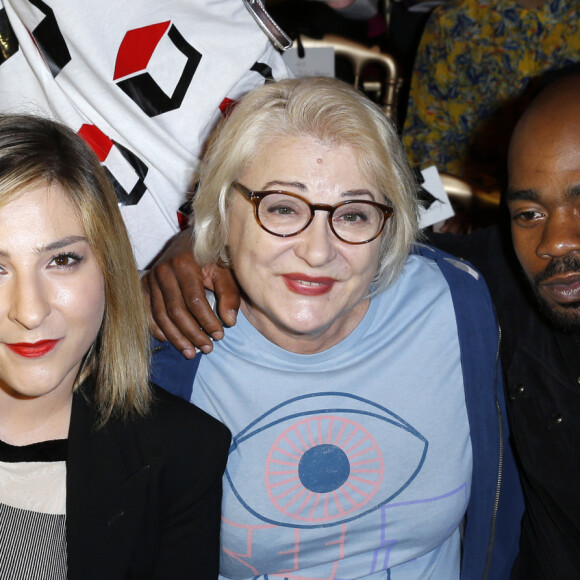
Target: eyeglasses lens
[(353, 222), (283, 214), (357, 222)]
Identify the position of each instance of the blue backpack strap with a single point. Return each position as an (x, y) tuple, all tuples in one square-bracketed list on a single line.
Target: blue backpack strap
[(493, 461)]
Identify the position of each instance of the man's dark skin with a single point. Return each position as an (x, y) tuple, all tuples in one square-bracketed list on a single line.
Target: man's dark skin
[(176, 289), (534, 279), (543, 199)]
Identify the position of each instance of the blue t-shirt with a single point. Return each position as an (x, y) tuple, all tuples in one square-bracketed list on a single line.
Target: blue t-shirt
[(351, 463)]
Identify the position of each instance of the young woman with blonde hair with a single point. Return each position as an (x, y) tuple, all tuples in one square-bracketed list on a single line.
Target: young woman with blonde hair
[(101, 475)]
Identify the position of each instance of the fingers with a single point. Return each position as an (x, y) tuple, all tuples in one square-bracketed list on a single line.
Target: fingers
[(176, 295), (164, 299), (223, 283), (190, 278), (180, 307), (153, 327)]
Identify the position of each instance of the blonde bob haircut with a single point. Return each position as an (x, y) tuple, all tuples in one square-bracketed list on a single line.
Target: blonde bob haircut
[(37, 152), (333, 113)]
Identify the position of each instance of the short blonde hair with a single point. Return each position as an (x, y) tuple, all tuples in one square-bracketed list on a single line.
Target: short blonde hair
[(36, 151), (333, 113)]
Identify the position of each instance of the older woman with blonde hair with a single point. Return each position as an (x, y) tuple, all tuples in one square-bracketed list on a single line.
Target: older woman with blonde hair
[(101, 476), (360, 381)]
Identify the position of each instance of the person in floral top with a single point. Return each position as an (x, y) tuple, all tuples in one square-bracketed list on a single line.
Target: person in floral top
[(474, 63)]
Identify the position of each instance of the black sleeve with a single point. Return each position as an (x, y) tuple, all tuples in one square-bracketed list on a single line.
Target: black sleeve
[(191, 489)]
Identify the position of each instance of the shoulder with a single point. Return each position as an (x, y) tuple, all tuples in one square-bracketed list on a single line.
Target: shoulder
[(491, 251), (172, 430), (176, 420), (170, 422), (455, 270), (180, 446), (430, 272), (469, 292)]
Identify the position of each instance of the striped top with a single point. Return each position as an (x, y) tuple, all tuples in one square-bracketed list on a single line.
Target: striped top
[(33, 511)]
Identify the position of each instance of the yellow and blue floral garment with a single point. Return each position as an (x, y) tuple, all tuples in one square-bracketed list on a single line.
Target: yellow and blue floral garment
[(474, 63)]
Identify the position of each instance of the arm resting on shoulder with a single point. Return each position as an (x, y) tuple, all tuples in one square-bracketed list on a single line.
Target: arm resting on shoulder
[(175, 288)]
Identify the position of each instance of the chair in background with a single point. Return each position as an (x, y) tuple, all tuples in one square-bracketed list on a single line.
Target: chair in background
[(465, 194), (374, 72), (479, 207)]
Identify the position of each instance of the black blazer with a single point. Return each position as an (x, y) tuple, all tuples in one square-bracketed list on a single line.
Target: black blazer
[(143, 496)]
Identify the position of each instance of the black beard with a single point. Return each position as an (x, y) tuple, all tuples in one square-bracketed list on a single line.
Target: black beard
[(564, 317)]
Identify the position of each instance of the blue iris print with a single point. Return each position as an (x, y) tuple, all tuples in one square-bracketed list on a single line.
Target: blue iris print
[(323, 468), (323, 459)]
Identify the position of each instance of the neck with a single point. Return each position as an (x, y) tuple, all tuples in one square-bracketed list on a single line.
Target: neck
[(27, 420), (305, 342)]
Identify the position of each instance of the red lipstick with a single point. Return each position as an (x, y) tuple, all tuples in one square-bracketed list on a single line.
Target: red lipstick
[(33, 350), (308, 285)]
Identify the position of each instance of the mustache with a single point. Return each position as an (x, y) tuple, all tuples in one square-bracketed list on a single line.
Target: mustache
[(559, 266)]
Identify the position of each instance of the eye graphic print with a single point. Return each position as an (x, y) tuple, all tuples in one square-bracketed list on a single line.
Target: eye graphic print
[(323, 468), (322, 460)]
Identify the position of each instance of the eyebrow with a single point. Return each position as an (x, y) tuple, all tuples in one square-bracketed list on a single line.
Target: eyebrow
[(522, 194), (534, 195), (295, 184), (359, 193), (574, 191), (302, 187), (52, 246), (59, 244)]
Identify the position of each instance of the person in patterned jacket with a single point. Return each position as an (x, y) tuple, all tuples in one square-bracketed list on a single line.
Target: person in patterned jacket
[(143, 82)]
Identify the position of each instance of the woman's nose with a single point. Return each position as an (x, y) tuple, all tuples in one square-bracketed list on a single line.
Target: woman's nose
[(29, 304), (316, 245)]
